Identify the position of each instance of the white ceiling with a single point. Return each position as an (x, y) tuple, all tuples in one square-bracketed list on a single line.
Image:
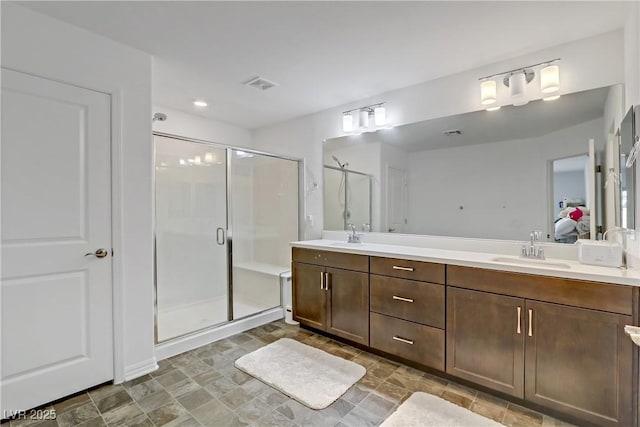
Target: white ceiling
[(322, 53)]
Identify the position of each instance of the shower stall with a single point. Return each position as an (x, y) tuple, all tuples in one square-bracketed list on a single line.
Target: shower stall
[(224, 218), (347, 198)]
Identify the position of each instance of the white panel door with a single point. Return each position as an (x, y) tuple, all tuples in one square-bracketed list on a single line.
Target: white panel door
[(56, 207), (396, 200)]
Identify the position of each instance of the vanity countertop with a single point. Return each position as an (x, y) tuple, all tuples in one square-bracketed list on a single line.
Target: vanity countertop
[(551, 267)]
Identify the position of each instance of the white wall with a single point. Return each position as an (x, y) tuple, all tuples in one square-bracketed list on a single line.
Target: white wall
[(39, 45), (586, 64), (632, 77), (192, 126), (502, 187), (570, 185)]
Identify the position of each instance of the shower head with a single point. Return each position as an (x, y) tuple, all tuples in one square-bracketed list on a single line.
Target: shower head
[(342, 165), (161, 117)]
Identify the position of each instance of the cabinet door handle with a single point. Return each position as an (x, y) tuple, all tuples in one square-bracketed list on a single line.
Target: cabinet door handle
[(519, 330), (530, 322), (397, 267), (402, 299), (322, 280), (327, 277), (404, 340)]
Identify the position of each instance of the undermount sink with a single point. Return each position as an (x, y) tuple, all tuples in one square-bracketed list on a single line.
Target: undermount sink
[(527, 261)]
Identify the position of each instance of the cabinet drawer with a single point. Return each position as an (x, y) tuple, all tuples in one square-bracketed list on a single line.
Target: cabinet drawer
[(409, 300), (578, 293), (411, 341), (331, 259), (404, 269)]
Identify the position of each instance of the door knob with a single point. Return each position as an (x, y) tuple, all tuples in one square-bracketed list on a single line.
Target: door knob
[(99, 253)]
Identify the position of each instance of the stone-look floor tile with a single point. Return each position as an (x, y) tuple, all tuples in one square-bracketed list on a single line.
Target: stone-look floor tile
[(32, 423), (548, 421), (458, 399), (141, 390), (489, 407), (78, 415), (337, 409), (155, 400), (195, 368), (93, 422), (236, 353), (164, 366), (401, 380), (253, 410), (167, 413), (381, 371), (104, 391), (369, 382), (360, 418), (239, 377), (296, 412), (377, 405), (120, 416), (183, 421), (171, 377), (113, 401), (391, 392), (220, 387), (223, 346), (206, 377), (366, 360), (274, 419), (240, 339), (517, 415), (255, 387), (139, 421), (356, 394), (274, 398), (136, 381), (461, 390), (213, 414), (236, 398), (252, 345), (195, 399), (218, 361), (182, 387), (71, 403)]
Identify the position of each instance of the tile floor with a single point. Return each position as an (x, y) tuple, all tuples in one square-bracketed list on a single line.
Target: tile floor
[(203, 388)]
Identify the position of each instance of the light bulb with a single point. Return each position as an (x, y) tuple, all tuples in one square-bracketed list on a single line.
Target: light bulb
[(550, 79), (380, 116), (488, 92), (208, 157), (517, 83), (364, 119), (347, 122)]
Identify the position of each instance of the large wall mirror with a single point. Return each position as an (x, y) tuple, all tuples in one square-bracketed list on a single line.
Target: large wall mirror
[(495, 175)]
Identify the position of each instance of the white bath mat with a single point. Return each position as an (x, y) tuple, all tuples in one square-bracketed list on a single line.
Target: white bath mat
[(312, 377), (426, 410)]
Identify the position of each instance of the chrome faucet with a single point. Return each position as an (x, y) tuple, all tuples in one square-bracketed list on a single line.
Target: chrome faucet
[(353, 236), (533, 250)]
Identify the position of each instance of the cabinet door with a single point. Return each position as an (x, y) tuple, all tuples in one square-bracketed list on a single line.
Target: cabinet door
[(309, 297), (579, 361), (348, 313), (485, 339)]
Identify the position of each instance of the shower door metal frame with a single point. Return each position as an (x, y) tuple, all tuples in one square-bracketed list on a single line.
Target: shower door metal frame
[(228, 226), (345, 172)]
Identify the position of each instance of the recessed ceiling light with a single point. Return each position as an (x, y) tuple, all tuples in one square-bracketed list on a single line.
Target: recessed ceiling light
[(200, 103)]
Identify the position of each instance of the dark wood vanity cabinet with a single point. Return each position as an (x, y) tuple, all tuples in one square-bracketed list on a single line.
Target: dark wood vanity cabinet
[(407, 310), (573, 357), (331, 293)]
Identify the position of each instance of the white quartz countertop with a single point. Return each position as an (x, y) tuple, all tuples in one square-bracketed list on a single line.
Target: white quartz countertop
[(550, 267)]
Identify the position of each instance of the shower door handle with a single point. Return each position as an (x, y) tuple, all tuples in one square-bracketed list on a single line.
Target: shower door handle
[(220, 236)]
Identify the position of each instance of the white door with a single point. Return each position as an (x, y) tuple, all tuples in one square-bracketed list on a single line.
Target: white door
[(591, 190), (56, 207), (396, 200)]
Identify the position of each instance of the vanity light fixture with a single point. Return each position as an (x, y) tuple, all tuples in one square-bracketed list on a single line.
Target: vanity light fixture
[(200, 103), (378, 112), (518, 79)]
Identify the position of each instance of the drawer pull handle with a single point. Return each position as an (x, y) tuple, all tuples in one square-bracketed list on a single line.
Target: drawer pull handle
[(402, 299), (519, 320), (404, 340), (322, 280), (397, 267), (530, 322)]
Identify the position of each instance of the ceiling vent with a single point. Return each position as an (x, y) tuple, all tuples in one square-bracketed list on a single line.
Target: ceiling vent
[(260, 83), (452, 132)]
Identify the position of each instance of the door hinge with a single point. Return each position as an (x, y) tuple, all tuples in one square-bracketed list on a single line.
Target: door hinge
[(599, 229), (598, 169), (111, 252)]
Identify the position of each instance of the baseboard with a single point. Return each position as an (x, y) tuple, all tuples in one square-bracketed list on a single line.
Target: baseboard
[(198, 339), (140, 369)]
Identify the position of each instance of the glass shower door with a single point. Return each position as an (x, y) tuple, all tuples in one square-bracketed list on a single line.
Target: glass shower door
[(191, 246), (263, 217)]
